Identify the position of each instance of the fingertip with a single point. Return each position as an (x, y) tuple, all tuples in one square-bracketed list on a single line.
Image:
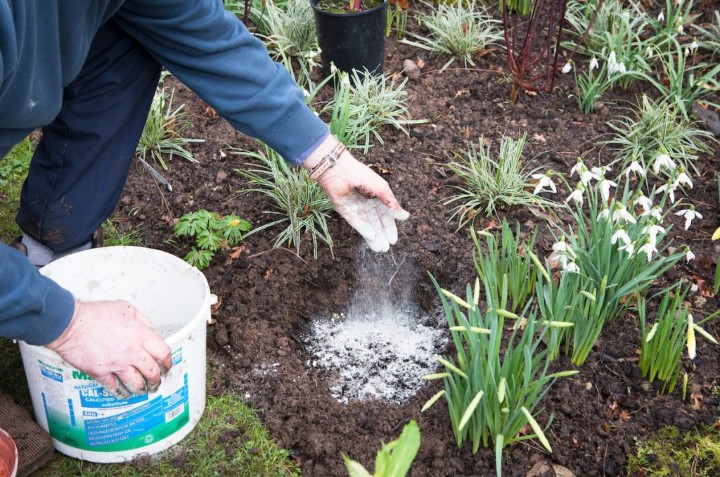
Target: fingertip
[(400, 214)]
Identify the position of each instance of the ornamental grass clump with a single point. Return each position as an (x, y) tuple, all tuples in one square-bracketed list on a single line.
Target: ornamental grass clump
[(363, 104), (708, 37), (494, 386), (287, 28), (654, 129), (458, 29), (301, 206), (506, 265), (673, 330), (489, 184), (163, 134)]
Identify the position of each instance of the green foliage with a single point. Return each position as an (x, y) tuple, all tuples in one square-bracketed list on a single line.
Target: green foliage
[(493, 394), (488, 185), (656, 128), (397, 19), (591, 85), (211, 232), (164, 130), (459, 30), (300, 204), (287, 28), (363, 104), (709, 35), (681, 83), (669, 453), (13, 170), (663, 342), (506, 265), (617, 36), (394, 459), (672, 19)]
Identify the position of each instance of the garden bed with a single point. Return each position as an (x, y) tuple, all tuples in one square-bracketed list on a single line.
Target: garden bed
[(258, 343)]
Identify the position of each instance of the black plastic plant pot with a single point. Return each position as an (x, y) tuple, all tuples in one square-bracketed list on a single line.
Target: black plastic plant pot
[(352, 41)]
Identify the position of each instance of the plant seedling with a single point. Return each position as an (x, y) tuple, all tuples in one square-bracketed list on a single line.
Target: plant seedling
[(211, 231), (394, 459)]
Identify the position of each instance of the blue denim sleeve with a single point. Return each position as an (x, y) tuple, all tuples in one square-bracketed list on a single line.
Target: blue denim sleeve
[(33, 308), (212, 52)]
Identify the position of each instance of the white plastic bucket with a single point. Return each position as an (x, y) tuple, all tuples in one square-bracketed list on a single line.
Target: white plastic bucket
[(86, 422)]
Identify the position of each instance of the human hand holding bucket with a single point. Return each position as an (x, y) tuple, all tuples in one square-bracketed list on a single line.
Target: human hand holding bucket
[(116, 344)]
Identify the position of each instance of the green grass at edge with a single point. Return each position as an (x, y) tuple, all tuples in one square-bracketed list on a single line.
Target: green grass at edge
[(13, 170)]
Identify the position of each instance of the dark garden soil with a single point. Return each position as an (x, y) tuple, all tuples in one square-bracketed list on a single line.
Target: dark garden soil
[(257, 344)]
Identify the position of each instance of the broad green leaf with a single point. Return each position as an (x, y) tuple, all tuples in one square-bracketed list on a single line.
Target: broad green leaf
[(406, 447), (355, 469)]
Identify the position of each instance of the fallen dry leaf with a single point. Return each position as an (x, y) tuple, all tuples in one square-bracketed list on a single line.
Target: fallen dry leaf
[(539, 137), (396, 76), (268, 273), (696, 399), (624, 415), (236, 252), (380, 168), (216, 306), (209, 111), (434, 188)]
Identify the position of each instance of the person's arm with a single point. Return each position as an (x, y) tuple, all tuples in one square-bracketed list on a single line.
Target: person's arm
[(213, 53), (33, 308)]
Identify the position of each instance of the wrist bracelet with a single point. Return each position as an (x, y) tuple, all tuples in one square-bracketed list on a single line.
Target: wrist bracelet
[(327, 162)]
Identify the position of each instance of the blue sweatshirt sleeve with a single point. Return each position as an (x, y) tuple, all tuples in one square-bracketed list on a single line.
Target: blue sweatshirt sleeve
[(32, 308), (212, 52)]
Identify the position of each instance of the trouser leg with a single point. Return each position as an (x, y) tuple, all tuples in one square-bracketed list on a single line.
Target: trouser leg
[(80, 166)]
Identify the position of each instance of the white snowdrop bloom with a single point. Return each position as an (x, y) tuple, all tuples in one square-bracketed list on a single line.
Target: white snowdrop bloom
[(683, 178), (663, 161), (690, 215), (653, 231), (694, 46), (621, 235), (605, 214), (594, 64), (629, 248), (586, 176), (576, 196), (572, 268), (544, 181), (604, 186), (689, 255), (567, 68), (645, 203), (649, 52), (648, 249), (563, 247), (680, 28), (612, 60), (621, 213), (600, 171), (636, 168), (578, 167), (661, 17), (670, 188), (621, 68), (656, 213)]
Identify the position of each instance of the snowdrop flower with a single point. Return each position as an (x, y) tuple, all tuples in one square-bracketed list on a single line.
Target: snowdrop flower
[(567, 68), (663, 160), (563, 247), (679, 23), (636, 168), (605, 214), (572, 268), (689, 215), (600, 171), (544, 181), (629, 248), (682, 178), (594, 64), (578, 167), (621, 213), (661, 17), (693, 46), (656, 213), (649, 249), (612, 61), (577, 195), (621, 235), (586, 176), (653, 231), (649, 52), (645, 203), (604, 186), (670, 188), (689, 255)]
